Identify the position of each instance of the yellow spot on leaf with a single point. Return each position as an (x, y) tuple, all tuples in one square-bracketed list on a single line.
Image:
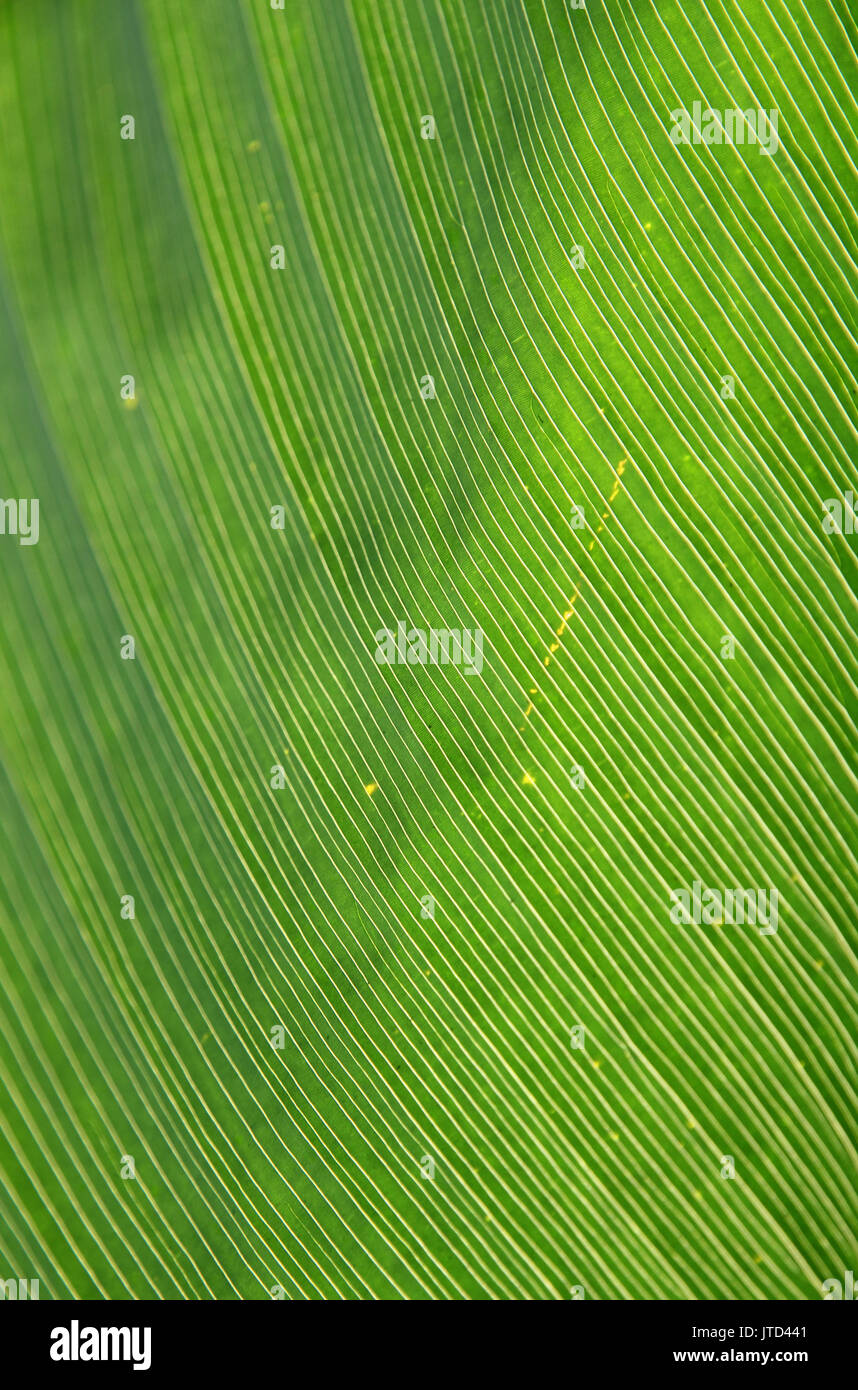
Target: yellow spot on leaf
[(370, 787), (621, 468), (254, 146), (527, 780)]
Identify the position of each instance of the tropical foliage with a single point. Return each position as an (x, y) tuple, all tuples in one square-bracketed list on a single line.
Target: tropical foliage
[(346, 978)]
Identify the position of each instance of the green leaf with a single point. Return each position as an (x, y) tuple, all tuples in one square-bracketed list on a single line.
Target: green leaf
[(401, 1010)]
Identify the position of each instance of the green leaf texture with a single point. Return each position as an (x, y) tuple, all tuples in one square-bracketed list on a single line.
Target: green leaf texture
[(329, 1085)]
